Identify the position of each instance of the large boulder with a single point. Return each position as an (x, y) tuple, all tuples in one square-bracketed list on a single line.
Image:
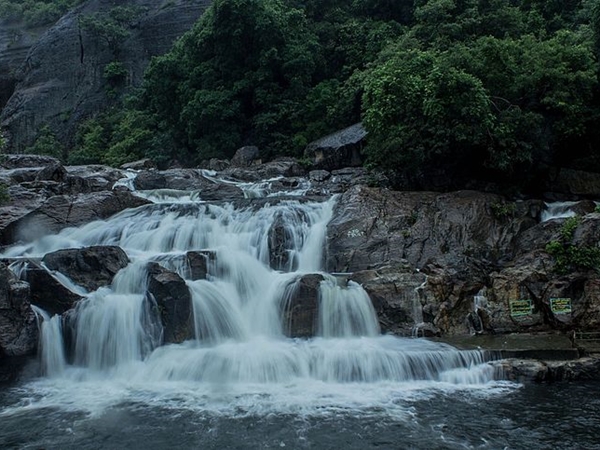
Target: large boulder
[(187, 180), (18, 326), (47, 291), (337, 150), (397, 295), (245, 156), (89, 267), (172, 301), (300, 307), (62, 81), (60, 212)]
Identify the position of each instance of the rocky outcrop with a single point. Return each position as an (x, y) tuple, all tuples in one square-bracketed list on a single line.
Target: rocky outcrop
[(338, 150), (62, 82), (172, 302), (90, 267), (187, 180), (15, 41), (245, 156), (538, 371), (60, 212), (47, 292), (18, 326), (300, 307), (373, 226)]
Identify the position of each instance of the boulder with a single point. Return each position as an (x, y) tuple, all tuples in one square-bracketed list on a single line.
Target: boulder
[(199, 263), (89, 267), (21, 161), (142, 164), (300, 306), (245, 156), (340, 149), (60, 212), (397, 295), (18, 325), (47, 292), (97, 177), (172, 301)]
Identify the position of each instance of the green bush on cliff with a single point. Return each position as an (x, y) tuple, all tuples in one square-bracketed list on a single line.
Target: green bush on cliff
[(569, 256)]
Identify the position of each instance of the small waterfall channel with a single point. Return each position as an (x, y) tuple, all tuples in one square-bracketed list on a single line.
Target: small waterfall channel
[(241, 356)]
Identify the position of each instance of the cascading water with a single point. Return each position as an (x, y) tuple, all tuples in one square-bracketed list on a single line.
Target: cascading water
[(240, 361)]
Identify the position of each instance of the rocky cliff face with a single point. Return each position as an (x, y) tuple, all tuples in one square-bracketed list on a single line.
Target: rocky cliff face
[(61, 80)]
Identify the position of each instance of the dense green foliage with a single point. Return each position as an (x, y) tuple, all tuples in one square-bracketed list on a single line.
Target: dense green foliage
[(507, 87), (35, 12), (569, 256)]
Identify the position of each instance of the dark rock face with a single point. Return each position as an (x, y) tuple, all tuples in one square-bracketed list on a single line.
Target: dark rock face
[(142, 164), (396, 293), (90, 267), (59, 212), (23, 161), (62, 82), (199, 263), (187, 180), (245, 156), (372, 226), (301, 306), (174, 303), (47, 292), (340, 149), (18, 326)]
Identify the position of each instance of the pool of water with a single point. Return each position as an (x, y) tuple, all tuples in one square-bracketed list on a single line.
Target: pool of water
[(104, 414)]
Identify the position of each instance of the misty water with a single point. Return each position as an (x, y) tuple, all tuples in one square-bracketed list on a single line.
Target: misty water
[(241, 383)]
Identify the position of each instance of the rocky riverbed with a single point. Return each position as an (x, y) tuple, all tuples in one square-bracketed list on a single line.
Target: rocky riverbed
[(433, 264)]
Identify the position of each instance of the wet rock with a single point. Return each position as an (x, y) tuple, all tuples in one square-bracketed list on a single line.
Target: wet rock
[(89, 267), (97, 177), (60, 212), (245, 156), (54, 172), (301, 306), (319, 175), (20, 161), (47, 292), (531, 370), (396, 293), (216, 164), (337, 150), (150, 180), (199, 263), (18, 326), (173, 303), (142, 164)]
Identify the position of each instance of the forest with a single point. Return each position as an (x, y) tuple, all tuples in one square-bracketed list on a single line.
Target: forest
[(499, 88)]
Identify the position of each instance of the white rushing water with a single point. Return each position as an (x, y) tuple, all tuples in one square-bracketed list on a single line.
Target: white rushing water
[(240, 354)]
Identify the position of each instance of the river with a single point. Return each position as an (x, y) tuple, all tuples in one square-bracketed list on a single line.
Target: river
[(243, 382)]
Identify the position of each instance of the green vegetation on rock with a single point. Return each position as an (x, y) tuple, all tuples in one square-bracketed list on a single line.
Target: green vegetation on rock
[(35, 12), (570, 256)]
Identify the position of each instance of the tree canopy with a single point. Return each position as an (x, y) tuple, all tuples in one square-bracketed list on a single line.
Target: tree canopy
[(504, 86)]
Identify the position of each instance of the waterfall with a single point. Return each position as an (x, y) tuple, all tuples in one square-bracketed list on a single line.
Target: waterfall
[(51, 347), (258, 255), (557, 210)]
